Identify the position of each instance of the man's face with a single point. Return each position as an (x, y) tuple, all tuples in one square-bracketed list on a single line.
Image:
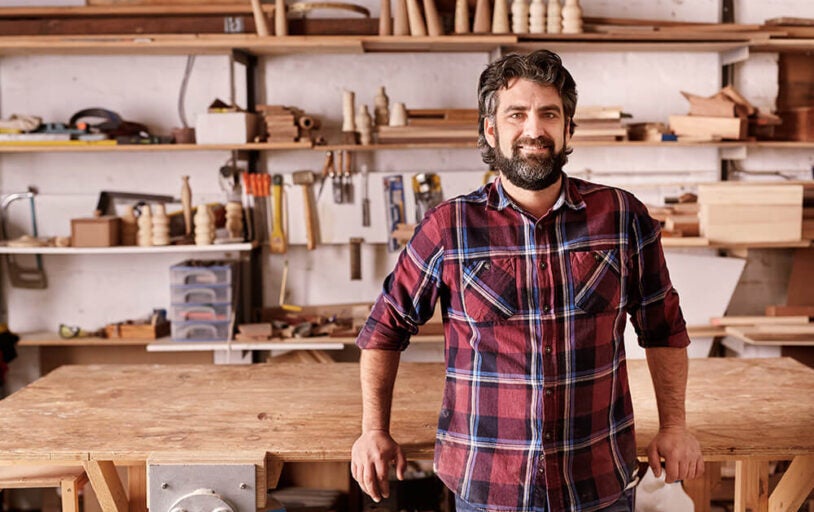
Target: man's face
[(529, 134)]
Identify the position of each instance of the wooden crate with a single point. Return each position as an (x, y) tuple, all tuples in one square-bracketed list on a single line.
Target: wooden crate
[(750, 213)]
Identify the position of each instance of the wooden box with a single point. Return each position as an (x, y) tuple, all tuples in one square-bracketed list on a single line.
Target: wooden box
[(750, 213), (96, 231), (140, 330), (709, 128)]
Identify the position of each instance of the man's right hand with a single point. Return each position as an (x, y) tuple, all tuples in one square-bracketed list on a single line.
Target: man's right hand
[(371, 457)]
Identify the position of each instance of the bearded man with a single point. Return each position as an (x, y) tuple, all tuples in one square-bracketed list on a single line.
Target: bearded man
[(535, 274)]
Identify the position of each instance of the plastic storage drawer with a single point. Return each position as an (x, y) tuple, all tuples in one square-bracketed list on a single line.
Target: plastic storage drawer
[(202, 272), (198, 294), (200, 312), (200, 331)]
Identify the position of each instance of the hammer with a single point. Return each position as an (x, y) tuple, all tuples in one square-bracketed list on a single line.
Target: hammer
[(306, 180)]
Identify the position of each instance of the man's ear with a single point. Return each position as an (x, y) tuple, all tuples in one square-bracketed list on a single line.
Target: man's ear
[(489, 131)]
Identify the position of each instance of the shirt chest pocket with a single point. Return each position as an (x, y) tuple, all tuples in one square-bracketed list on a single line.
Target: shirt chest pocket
[(489, 289), (596, 278)]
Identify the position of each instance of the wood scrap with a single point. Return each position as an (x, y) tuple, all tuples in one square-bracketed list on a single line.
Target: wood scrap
[(599, 123), (287, 124), (777, 310), (726, 321)]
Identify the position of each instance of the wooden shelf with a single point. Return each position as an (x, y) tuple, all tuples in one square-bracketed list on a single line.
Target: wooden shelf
[(307, 145), (95, 147), (52, 339), (703, 242), (242, 247), (186, 44)]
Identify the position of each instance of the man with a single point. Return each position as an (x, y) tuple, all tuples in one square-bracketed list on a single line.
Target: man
[(535, 274)]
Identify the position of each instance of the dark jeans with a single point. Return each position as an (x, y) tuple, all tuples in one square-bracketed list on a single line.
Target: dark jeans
[(624, 504)]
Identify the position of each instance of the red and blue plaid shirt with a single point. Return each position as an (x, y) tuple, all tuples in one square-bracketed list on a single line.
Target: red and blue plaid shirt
[(534, 312)]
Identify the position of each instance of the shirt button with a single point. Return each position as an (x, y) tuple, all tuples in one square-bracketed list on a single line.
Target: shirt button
[(597, 256), (548, 392), (546, 308), (548, 349), (543, 265), (547, 436), (487, 265)]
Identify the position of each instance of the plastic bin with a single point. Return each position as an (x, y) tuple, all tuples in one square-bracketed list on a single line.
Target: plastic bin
[(200, 331), (200, 312), (205, 272), (197, 294)]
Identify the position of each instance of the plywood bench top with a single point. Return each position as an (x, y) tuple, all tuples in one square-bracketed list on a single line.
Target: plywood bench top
[(738, 408)]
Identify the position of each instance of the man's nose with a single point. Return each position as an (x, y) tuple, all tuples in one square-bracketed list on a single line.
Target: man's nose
[(534, 127)]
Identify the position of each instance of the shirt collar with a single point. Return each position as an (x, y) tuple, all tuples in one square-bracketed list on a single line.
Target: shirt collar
[(569, 196)]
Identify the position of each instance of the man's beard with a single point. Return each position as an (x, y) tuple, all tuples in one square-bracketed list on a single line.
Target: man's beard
[(533, 172)]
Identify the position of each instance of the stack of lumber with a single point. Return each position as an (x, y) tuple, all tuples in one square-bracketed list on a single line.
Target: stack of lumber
[(769, 330), (286, 124), (678, 220), (599, 124), (433, 125), (737, 212), (720, 116)]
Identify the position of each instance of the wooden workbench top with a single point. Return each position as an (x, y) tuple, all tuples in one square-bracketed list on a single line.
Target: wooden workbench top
[(761, 408)]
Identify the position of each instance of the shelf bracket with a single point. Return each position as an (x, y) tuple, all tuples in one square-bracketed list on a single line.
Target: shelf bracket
[(734, 152)]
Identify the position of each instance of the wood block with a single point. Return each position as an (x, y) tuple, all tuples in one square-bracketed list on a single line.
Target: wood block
[(140, 331), (597, 112), (797, 124), (712, 107), (800, 291), (748, 194), (776, 310), (96, 231), (711, 128), (688, 225)]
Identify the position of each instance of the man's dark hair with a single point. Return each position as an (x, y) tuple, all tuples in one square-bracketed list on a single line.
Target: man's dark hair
[(543, 67)]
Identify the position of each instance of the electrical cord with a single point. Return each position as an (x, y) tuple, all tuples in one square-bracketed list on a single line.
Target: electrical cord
[(183, 92)]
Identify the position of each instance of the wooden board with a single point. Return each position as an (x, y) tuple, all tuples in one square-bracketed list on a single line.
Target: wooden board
[(712, 128), (222, 413)]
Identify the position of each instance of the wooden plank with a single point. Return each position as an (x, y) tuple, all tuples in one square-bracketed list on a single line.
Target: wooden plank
[(790, 311), (759, 320), (733, 128), (700, 489), (800, 291), (27, 477), (795, 485), (107, 485), (751, 486), (70, 488), (137, 488)]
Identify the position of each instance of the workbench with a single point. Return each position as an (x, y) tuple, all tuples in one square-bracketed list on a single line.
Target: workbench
[(103, 416)]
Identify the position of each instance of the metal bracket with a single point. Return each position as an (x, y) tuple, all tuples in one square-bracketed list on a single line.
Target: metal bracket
[(734, 152), (201, 488)]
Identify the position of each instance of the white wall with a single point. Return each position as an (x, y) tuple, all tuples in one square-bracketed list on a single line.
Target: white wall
[(92, 290)]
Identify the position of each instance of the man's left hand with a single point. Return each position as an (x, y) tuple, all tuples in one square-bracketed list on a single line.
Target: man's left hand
[(681, 452)]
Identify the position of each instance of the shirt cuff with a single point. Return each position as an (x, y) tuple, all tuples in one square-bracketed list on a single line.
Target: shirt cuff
[(678, 339), (375, 335)]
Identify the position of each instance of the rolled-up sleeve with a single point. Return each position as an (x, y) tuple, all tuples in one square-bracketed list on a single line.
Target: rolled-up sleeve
[(409, 293), (653, 303)]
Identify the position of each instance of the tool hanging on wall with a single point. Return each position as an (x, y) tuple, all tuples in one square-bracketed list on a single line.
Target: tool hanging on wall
[(277, 238), (365, 198), (306, 179), (427, 192), (248, 207), (347, 179), (328, 172), (394, 204), (20, 276)]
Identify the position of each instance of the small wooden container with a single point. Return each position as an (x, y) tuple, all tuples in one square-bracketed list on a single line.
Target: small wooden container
[(102, 231)]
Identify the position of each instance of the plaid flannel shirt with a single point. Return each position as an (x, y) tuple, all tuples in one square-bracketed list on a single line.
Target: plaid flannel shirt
[(536, 393)]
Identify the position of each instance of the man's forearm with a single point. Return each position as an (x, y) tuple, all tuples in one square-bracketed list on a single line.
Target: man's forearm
[(668, 369), (378, 375)]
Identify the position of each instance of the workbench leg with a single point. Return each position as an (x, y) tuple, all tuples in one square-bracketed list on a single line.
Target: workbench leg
[(137, 487), (751, 486), (700, 489), (107, 485), (795, 485), (70, 488)]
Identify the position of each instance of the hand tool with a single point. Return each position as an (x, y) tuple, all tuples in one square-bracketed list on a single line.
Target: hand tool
[(19, 276), (336, 180), (283, 281), (248, 210), (328, 171), (277, 239), (394, 202), (306, 179), (365, 199), (264, 190), (346, 178), (427, 192)]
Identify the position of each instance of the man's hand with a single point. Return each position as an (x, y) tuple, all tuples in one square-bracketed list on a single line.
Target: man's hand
[(371, 457), (681, 452)]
